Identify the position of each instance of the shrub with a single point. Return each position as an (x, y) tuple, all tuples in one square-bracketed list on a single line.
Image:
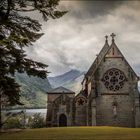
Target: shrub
[(13, 122), (36, 121)]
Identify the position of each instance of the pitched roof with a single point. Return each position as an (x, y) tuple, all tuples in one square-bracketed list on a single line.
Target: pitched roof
[(60, 90), (100, 57)]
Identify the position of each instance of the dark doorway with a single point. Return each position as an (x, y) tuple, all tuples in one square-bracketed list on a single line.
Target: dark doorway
[(62, 120)]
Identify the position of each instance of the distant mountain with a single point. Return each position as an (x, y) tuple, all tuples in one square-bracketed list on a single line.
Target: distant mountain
[(71, 80), (33, 90)]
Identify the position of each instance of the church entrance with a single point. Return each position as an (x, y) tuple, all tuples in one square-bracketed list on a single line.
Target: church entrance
[(62, 120)]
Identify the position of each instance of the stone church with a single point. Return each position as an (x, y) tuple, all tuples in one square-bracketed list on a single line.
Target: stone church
[(109, 94)]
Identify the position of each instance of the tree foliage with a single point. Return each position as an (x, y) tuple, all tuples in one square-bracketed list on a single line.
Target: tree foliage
[(16, 32), (36, 121)]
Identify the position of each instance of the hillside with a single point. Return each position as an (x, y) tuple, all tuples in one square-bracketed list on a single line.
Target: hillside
[(71, 79), (33, 90)]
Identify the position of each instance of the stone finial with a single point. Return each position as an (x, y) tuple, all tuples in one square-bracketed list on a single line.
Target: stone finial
[(106, 38), (113, 36)]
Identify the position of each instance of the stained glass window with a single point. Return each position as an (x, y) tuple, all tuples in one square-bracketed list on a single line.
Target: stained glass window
[(114, 79)]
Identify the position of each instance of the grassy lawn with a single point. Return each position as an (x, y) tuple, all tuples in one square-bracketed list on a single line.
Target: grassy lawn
[(74, 133)]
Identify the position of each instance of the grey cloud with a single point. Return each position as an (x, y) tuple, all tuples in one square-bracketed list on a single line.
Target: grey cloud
[(84, 9), (73, 41)]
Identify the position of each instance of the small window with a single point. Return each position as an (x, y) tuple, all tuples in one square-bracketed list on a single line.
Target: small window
[(80, 101)]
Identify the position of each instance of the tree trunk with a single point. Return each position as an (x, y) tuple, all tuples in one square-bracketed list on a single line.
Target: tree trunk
[(0, 109), (9, 2)]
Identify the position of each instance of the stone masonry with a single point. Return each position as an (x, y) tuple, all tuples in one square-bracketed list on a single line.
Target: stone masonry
[(109, 95)]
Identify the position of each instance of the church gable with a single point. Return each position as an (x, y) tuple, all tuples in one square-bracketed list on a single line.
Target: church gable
[(62, 100), (107, 51), (110, 59), (114, 52), (114, 72)]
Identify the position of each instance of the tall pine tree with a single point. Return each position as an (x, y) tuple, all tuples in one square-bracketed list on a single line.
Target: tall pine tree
[(16, 32)]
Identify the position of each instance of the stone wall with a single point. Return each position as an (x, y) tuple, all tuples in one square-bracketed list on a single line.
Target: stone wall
[(106, 115), (59, 104), (122, 113), (81, 115)]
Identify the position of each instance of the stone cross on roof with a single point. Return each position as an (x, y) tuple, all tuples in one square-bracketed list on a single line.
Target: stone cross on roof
[(112, 35)]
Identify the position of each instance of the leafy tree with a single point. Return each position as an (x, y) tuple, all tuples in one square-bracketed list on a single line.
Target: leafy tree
[(36, 121), (16, 32), (13, 120)]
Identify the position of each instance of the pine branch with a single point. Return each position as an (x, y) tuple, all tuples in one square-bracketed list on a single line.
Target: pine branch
[(16, 33)]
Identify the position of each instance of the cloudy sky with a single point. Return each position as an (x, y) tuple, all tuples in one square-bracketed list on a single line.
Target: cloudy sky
[(73, 41)]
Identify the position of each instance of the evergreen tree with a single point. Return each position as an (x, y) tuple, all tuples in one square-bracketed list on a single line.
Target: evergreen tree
[(16, 32)]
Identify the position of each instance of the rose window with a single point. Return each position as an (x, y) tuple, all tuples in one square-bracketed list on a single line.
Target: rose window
[(81, 101), (114, 79)]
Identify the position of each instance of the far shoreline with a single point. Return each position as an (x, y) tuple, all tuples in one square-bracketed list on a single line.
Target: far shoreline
[(18, 108)]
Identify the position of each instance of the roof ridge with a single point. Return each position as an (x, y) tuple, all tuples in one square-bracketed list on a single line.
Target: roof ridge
[(60, 89), (96, 62)]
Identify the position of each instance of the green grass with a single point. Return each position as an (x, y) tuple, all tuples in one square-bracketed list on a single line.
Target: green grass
[(75, 133)]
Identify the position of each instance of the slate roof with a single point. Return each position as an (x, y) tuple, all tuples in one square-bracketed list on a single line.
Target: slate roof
[(100, 57), (60, 90)]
